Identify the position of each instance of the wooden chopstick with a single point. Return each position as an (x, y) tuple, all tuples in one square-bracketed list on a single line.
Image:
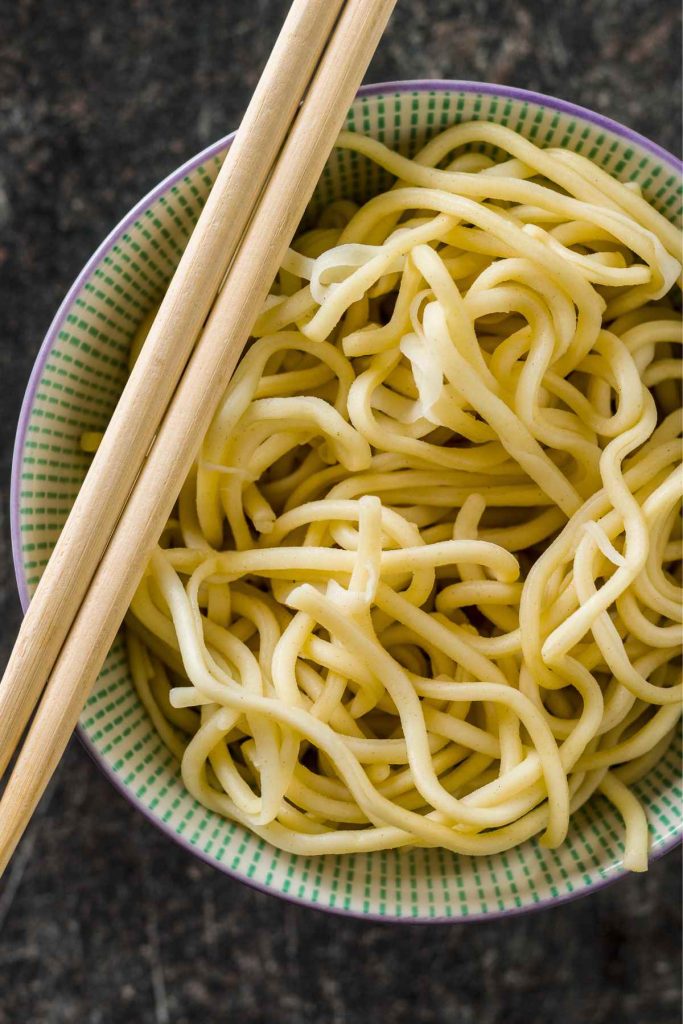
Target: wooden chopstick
[(167, 348), (270, 231)]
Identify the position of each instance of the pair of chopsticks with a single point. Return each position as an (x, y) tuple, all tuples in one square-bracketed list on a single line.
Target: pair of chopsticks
[(201, 328)]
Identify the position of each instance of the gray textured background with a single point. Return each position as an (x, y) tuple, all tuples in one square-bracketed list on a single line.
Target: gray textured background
[(102, 920)]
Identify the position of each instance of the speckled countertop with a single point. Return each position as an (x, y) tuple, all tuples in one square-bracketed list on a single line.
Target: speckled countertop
[(103, 920)]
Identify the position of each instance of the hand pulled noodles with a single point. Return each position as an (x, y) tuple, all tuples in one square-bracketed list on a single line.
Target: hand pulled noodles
[(422, 586)]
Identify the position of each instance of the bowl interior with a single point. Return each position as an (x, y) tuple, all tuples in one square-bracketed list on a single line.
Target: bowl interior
[(78, 378)]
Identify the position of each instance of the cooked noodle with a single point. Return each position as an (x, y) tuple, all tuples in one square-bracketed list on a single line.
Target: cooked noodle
[(422, 586)]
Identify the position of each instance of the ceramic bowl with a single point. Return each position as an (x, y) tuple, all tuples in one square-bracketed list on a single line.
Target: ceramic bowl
[(76, 381)]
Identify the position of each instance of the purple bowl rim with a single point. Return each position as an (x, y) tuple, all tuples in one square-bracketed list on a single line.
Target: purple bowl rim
[(376, 89)]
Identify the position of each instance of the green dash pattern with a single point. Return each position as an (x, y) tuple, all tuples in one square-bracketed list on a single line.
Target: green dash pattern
[(80, 383)]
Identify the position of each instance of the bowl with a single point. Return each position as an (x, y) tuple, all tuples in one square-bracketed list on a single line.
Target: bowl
[(76, 380)]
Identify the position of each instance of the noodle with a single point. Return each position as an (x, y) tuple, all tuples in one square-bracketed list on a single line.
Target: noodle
[(422, 586)]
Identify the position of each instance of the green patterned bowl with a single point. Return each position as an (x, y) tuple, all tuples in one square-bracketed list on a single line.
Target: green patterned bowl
[(75, 384)]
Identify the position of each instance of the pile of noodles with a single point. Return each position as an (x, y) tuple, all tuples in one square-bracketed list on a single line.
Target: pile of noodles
[(422, 586)]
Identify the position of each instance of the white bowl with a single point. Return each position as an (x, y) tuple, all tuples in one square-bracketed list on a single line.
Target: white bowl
[(76, 381)]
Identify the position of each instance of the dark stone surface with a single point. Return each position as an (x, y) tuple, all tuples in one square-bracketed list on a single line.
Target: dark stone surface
[(102, 920)]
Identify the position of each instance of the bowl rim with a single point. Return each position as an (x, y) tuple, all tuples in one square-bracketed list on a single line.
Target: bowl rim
[(373, 89)]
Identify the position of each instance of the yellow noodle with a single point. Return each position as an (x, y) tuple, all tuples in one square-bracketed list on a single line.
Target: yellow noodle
[(420, 587)]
